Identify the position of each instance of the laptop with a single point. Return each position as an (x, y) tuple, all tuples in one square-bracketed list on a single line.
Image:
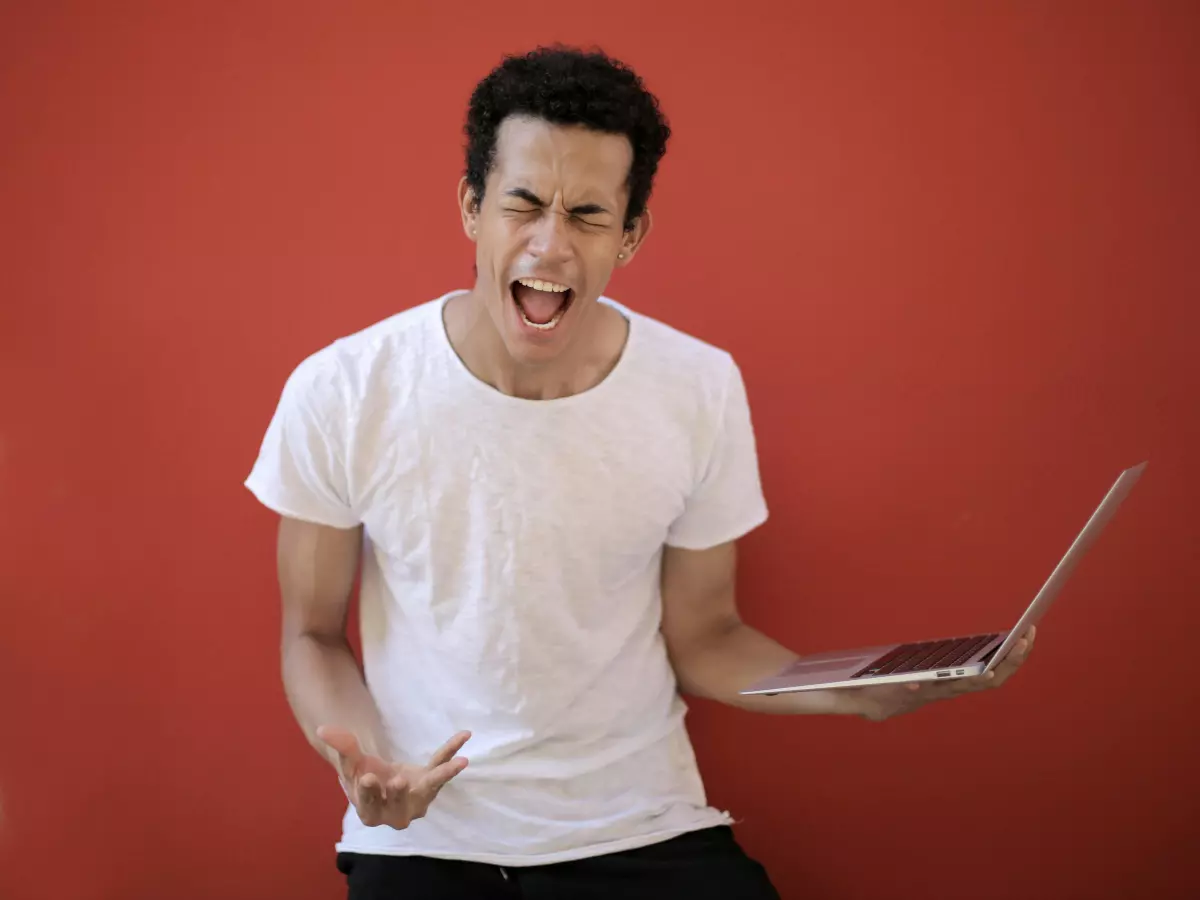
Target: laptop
[(959, 657)]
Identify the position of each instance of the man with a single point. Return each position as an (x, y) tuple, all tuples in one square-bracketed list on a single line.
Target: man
[(544, 489)]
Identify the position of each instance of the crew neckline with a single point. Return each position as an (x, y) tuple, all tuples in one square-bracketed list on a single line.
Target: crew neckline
[(615, 374)]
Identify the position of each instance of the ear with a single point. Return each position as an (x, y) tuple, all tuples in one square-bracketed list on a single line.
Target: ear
[(632, 240), (468, 207)]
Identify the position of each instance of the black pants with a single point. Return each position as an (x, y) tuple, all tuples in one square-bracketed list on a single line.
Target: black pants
[(697, 866)]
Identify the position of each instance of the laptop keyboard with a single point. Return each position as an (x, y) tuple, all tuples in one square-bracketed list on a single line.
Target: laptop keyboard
[(926, 655)]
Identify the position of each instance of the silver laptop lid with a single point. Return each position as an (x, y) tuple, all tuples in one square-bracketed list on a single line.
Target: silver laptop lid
[(1091, 531)]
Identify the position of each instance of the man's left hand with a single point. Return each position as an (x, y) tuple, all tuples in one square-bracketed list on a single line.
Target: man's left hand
[(887, 700)]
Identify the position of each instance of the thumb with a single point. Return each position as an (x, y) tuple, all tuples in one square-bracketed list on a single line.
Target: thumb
[(342, 741)]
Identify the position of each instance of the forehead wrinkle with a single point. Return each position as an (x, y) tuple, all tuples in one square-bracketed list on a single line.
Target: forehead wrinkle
[(531, 161)]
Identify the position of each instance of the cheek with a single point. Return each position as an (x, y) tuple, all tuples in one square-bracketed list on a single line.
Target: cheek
[(486, 268), (493, 252), (597, 275)]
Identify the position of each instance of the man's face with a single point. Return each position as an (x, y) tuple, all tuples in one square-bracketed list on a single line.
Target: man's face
[(549, 232)]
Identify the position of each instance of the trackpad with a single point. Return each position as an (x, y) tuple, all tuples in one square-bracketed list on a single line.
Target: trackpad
[(804, 667)]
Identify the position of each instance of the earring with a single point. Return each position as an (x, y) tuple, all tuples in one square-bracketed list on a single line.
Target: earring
[(620, 256)]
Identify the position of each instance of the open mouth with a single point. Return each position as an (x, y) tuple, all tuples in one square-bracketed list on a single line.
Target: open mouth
[(542, 304)]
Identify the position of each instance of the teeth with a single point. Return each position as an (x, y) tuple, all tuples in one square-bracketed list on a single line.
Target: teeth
[(548, 286), (551, 288), (541, 326)]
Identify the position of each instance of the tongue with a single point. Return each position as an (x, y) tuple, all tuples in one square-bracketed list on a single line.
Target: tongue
[(539, 306)]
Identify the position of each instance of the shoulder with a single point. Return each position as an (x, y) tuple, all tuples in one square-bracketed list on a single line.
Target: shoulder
[(679, 362), (341, 374)]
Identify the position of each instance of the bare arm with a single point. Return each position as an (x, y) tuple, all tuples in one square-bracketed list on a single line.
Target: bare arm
[(317, 565), (713, 652), (325, 688)]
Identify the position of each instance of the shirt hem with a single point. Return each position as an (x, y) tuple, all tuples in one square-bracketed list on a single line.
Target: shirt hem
[(274, 502), (708, 541), (540, 859)]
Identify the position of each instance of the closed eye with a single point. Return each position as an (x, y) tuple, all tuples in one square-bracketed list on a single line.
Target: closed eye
[(592, 214), (527, 200)]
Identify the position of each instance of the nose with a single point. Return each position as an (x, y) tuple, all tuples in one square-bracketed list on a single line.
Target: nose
[(550, 240)]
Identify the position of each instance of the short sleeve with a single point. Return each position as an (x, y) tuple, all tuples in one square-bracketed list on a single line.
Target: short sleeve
[(728, 501), (300, 471)]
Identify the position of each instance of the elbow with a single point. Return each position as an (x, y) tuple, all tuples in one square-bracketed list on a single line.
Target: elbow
[(315, 638), (300, 648), (696, 656)]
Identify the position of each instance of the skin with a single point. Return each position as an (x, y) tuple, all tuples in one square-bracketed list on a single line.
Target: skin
[(715, 654), (553, 207), (317, 566)]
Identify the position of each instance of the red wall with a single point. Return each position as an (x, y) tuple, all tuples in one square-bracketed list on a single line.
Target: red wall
[(953, 244)]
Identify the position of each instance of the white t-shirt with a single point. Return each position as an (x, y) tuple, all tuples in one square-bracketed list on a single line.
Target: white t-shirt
[(511, 572)]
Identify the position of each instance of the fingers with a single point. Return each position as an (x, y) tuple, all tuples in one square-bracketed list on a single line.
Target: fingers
[(446, 752), (371, 790), (1025, 644), (386, 794), (1015, 659), (884, 701), (974, 683), (444, 764), (993, 678), (953, 687), (369, 800), (1020, 650), (380, 802), (941, 690), (437, 777)]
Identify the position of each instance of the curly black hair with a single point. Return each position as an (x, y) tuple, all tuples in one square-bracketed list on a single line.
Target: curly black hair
[(568, 86)]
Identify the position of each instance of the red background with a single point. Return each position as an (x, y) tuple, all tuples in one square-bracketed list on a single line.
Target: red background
[(954, 246)]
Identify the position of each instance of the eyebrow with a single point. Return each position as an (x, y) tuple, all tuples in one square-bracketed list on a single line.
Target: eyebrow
[(586, 209)]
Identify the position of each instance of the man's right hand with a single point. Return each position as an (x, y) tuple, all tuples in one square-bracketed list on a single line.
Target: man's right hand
[(386, 793)]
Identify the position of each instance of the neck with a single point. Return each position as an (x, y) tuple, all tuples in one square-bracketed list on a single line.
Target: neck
[(588, 359)]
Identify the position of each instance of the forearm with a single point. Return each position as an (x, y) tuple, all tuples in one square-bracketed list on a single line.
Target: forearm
[(732, 658), (325, 687)]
